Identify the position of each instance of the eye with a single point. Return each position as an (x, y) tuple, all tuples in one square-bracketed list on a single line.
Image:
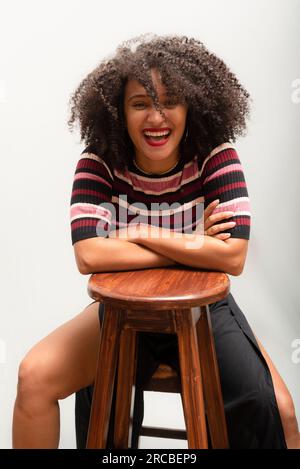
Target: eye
[(170, 104), (139, 105)]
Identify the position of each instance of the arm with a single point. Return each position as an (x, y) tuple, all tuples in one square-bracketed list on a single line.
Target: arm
[(91, 212), (102, 255), (213, 254), (133, 255)]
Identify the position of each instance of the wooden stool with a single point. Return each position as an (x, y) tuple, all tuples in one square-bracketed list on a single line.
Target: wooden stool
[(169, 300)]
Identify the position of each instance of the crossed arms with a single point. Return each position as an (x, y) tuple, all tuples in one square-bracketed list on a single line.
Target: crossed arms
[(146, 246), (140, 251)]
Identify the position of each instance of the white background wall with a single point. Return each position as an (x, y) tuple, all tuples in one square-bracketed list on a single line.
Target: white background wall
[(46, 49)]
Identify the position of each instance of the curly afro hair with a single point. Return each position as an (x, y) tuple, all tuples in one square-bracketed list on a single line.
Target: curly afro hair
[(218, 105)]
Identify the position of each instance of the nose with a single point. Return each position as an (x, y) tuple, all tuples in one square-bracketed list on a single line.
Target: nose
[(155, 117)]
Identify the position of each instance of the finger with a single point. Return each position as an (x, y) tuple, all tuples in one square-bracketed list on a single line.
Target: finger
[(222, 236), (213, 230), (220, 216), (210, 208), (213, 219)]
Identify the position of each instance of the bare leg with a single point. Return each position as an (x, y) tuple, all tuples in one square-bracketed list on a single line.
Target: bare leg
[(56, 367), (285, 404)]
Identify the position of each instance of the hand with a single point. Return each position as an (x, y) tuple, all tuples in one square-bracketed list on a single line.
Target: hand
[(212, 229)]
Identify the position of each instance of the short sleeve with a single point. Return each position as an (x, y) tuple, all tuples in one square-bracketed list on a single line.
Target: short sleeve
[(223, 178), (90, 207)]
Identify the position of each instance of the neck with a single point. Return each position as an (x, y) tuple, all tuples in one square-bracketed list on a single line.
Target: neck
[(155, 172)]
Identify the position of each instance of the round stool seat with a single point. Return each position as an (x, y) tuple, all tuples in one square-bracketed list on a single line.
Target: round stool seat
[(170, 288)]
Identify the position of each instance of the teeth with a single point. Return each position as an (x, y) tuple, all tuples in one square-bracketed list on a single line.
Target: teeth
[(157, 134)]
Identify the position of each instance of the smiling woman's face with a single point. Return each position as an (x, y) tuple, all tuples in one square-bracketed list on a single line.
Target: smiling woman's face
[(155, 137)]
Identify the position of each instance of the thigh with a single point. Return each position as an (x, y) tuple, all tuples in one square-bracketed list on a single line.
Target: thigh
[(66, 359), (283, 397)]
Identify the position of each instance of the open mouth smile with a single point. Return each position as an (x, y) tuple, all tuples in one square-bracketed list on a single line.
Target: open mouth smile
[(157, 137)]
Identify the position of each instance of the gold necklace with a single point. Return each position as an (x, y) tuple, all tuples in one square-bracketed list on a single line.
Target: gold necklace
[(158, 174)]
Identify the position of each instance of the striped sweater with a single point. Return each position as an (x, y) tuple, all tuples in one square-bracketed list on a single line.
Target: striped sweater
[(104, 199)]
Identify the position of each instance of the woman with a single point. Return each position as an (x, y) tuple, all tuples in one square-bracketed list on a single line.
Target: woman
[(158, 119)]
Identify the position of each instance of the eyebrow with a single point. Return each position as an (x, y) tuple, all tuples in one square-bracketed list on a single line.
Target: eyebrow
[(142, 96)]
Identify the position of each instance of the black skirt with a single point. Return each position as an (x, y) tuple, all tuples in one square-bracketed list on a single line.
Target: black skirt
[(252, 415)]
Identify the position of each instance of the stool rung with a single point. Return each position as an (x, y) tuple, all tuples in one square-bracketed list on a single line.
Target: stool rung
[(163, 433)]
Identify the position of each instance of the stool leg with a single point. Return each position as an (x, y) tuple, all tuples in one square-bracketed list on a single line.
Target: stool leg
[(105, 376), (191, 381), (211, 382), (126, 372)]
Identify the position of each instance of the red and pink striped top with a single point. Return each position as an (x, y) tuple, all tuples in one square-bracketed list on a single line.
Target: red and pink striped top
[(104, 199)]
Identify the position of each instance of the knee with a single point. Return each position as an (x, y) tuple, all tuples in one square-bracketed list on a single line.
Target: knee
[(286, 407), (34, 379)]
